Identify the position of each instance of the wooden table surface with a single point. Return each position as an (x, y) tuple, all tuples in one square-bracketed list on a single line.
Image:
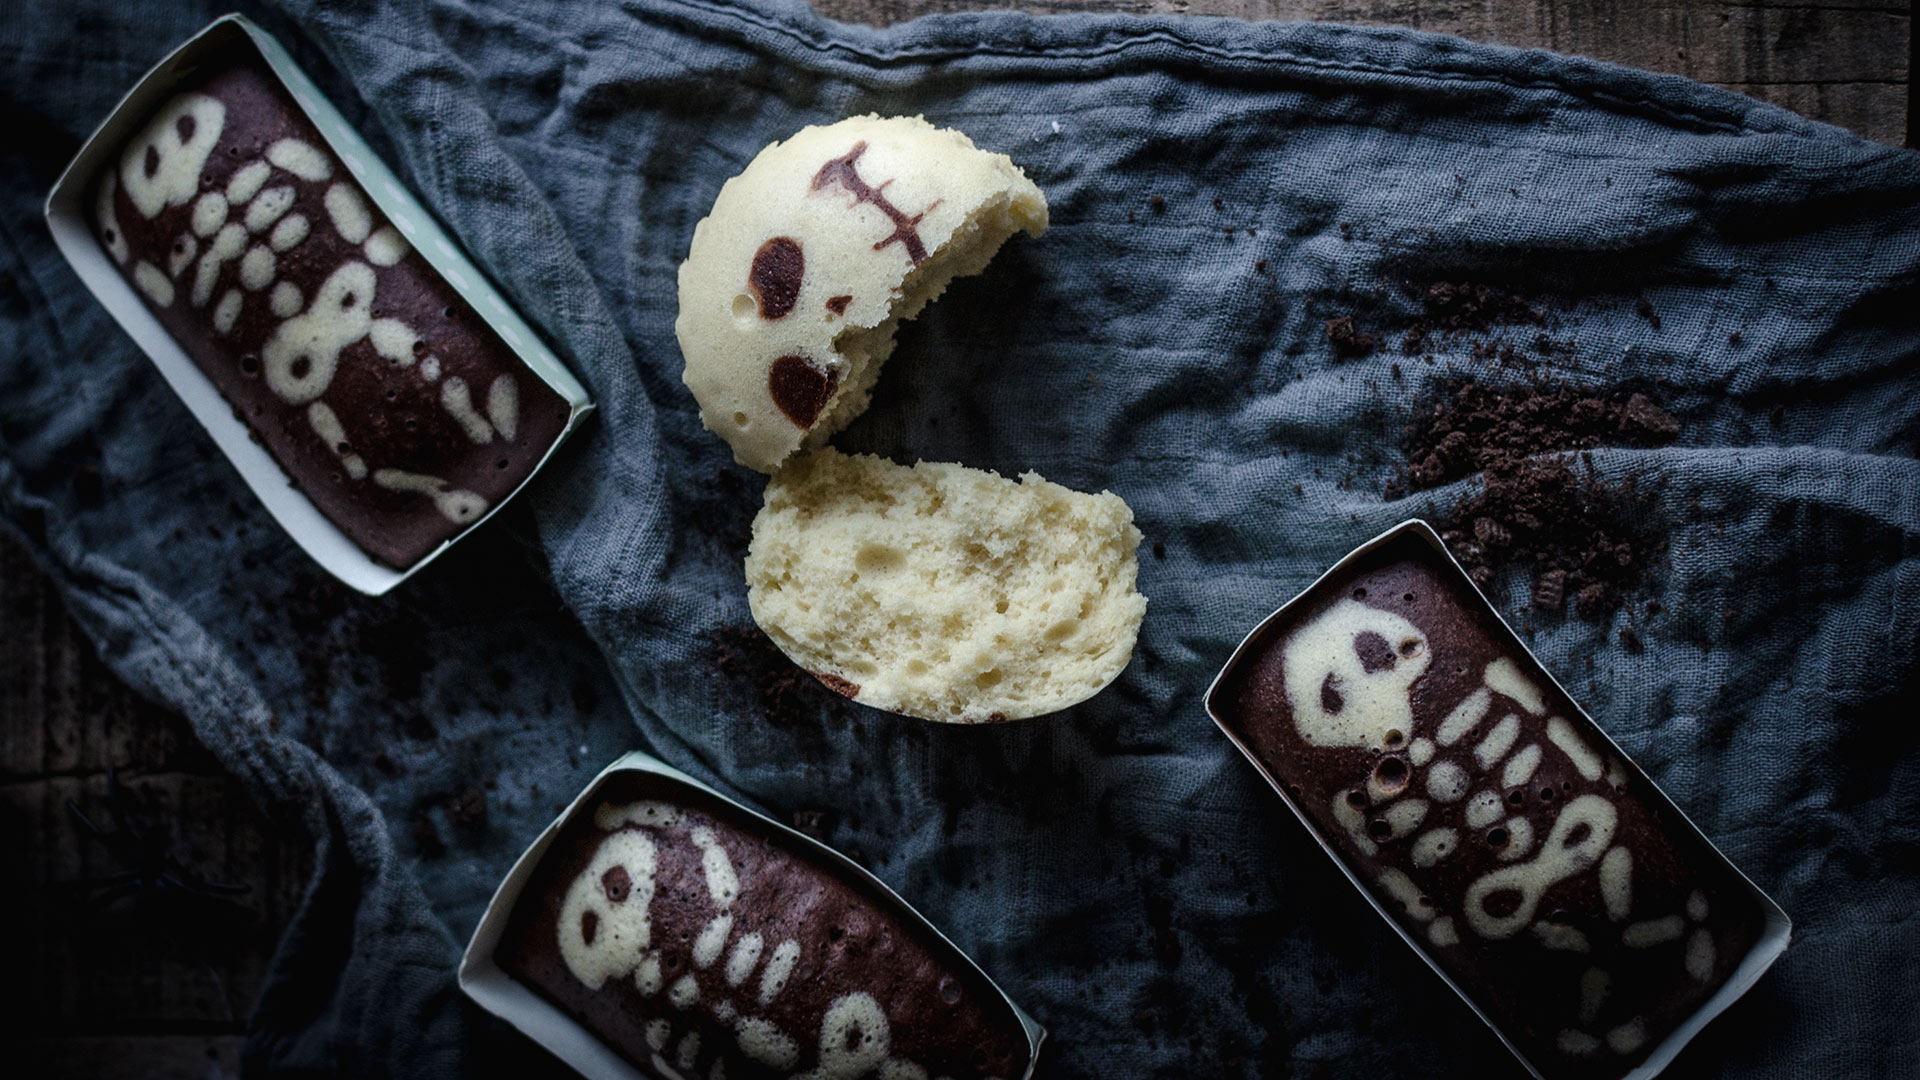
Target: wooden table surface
[(134, 990)]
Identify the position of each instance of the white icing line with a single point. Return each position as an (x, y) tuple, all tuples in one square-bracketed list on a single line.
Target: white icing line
[(1520, 839), (108, 217), (1401, 888), (1561, 938), (684, 991), (301, 159), (257, 268), (766, 1044), (287, 300), (712, 940), (1447, 781), (230, 242), (1336, 701), (503, 406), (386, 247), (459, 405), (1561, 734), (290, 233), (1577, 1043), (1498, 741), (430, 368), (1465, 716), (773, 978), (658, 1032), (1520, 767), (454, 504), (1616, 883), (1697, 906), (247, 181), (1700, 954), (159, 168), (689, 1050), (746, 954), (1405, 816), (1355, 822), (1443, 932), (300, 358), (1651, 932), (1420, 751), (723, 885), (646, 976), (1594, 984), (854, 1038), (209, 213), (1434, 845), (1558, 860), (349, 213), (1483, 809), (1628, 1037), (327, 425), (267, 207), (1503, 677), (153, 283), (184, 249), (227, 311), (394, 340)]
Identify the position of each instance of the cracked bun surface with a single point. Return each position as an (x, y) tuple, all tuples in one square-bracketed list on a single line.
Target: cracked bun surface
[(811, 258), (944, 592)]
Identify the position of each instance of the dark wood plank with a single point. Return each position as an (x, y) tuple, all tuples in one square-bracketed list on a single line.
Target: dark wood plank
[(1845, 62), (85, 968)]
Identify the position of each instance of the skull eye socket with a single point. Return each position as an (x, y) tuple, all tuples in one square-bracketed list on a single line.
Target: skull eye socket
[(1330, 699), (1374, 652)]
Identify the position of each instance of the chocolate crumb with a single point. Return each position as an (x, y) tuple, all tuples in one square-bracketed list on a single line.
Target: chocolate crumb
[(1159, 550), (1348, 339), (1157, 204), (817, 824), (1629, 639), (1645, 310)]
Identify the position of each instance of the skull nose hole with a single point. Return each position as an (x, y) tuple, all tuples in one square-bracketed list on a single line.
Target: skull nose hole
[(1330, 699)]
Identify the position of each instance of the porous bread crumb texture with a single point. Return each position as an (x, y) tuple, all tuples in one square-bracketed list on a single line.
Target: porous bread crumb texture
[(944, 592)]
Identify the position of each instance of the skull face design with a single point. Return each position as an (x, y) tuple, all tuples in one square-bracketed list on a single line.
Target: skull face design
[(796, 281), (1349, 674)]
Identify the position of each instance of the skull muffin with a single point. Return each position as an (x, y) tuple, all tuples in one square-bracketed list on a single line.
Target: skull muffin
[(811, 258)]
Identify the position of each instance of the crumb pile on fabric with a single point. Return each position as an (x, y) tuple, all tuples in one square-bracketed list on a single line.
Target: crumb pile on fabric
[(1540, 505)]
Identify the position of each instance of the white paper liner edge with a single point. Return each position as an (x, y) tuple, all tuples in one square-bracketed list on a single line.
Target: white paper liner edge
[(289, 507), (540, 1020), (1773, 936)]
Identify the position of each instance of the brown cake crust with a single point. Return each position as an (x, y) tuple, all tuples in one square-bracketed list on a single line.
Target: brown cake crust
[(1582, 915), (401, 451), (844, 939)]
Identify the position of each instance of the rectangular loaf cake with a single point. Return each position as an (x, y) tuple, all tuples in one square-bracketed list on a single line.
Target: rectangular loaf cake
[(388, 401), (1558, 890), (699, 942)]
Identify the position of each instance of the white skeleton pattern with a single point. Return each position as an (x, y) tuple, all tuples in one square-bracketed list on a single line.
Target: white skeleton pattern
[(1349, 673), (250, 221), (612, 896)]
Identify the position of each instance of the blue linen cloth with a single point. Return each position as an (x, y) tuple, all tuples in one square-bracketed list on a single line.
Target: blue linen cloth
[(1218, 191)]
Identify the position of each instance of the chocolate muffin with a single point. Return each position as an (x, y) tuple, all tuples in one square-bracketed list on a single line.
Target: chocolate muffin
[(695, 940), (383, 395), (1547, 877)]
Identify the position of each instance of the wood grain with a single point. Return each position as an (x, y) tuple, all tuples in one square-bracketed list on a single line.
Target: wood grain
[(1845, 62), (159, 975)]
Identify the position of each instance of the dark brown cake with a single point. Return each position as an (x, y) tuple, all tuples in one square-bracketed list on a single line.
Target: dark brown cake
[(375, 386), (694, 940), (1437, 759)]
